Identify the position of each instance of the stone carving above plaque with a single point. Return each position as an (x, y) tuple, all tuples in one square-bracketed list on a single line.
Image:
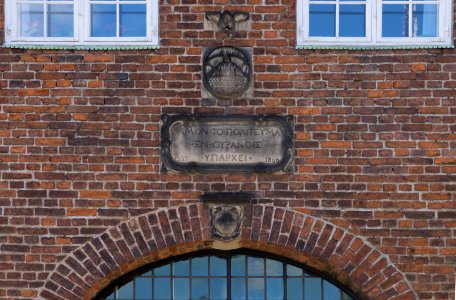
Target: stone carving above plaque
[(235, 143), (227, 72), (226, 221), (227, 20)]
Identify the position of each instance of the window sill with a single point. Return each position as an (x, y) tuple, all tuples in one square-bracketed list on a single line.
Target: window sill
[(372, 47), (80, 47)]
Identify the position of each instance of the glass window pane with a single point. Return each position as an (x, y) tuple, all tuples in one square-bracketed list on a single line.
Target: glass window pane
[(255, 266), (294, 289), (200, 266), (181, 288), (274, 288), (395, 20), (238, 265), (163, 271), (218, 289), (110, 297), (256, 288), (31, 20), (330, 291), (352, 21), (238, 289), (133, 20), (200, 288), (345, 296), (126, 291), (181, 268), (312, 288), (218, 266), (274, 267), (103, 20), (60, 20), (322, 20), (293, 271), (425, 20), (143, 288), (162, 288)]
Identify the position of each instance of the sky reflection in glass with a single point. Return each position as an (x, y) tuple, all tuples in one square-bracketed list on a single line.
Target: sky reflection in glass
[(352, 20), (31, 18), (132, 20), (60, 20), (103, 20), (198, 278), (322, 20)]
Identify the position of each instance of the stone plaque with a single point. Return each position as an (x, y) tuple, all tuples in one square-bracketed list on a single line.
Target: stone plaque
[(227, 143)]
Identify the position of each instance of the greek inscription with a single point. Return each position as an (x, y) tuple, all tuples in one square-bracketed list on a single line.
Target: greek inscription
[(238, 143)]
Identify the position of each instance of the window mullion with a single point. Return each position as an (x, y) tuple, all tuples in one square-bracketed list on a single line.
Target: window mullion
[(337, 17), (117, 19), (45, 19), (410, 19)]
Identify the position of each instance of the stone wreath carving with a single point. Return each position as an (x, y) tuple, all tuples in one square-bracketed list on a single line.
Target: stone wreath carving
[(226, 72)]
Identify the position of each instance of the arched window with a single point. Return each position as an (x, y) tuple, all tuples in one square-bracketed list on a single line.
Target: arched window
[(225, 275)]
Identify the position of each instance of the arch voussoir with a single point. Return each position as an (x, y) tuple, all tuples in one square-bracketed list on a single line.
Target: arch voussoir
[(166, 232)]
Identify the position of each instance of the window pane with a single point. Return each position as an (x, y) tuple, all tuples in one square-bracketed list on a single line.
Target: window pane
[(103, 20), (256, 288), (294, 289), (255, 266), (31, 18), (238, 265), (200, 266), (331, 292), (163, 271), (322, 20), (143, 288), (60, 20), (162, 288), (274, 267), (218, 289), (345, 296), (425, 20), (218, 266), (312, 288), (352, 21), (181, 268), (200, 288), (238, 289), (394, 20), (126, 291), (181, 288), (133, 20), (293, 271), (274, 288)]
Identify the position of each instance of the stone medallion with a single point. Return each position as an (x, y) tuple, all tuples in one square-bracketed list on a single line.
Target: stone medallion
[(227, 72)]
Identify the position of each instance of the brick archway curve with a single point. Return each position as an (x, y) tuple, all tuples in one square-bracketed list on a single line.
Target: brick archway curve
[(174, 231)]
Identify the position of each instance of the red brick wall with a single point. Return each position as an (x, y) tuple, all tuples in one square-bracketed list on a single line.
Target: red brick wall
[(374, 135)]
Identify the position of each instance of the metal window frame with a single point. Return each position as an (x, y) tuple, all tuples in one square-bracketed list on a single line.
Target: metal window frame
[(307, 272)]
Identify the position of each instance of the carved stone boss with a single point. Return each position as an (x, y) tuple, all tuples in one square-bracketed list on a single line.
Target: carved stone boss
[(226, 221), (228, 143)]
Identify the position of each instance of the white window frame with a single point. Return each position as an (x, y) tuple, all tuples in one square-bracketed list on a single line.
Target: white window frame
[(374, 27), (82, 27)]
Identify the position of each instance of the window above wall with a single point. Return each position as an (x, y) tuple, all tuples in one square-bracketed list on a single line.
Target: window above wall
[(374, 23), (81, 22)]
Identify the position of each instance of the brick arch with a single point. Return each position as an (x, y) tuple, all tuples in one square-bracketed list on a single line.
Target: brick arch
[(174, 231)]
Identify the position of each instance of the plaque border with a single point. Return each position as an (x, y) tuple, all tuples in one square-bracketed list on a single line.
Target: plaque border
[(285, 164)]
